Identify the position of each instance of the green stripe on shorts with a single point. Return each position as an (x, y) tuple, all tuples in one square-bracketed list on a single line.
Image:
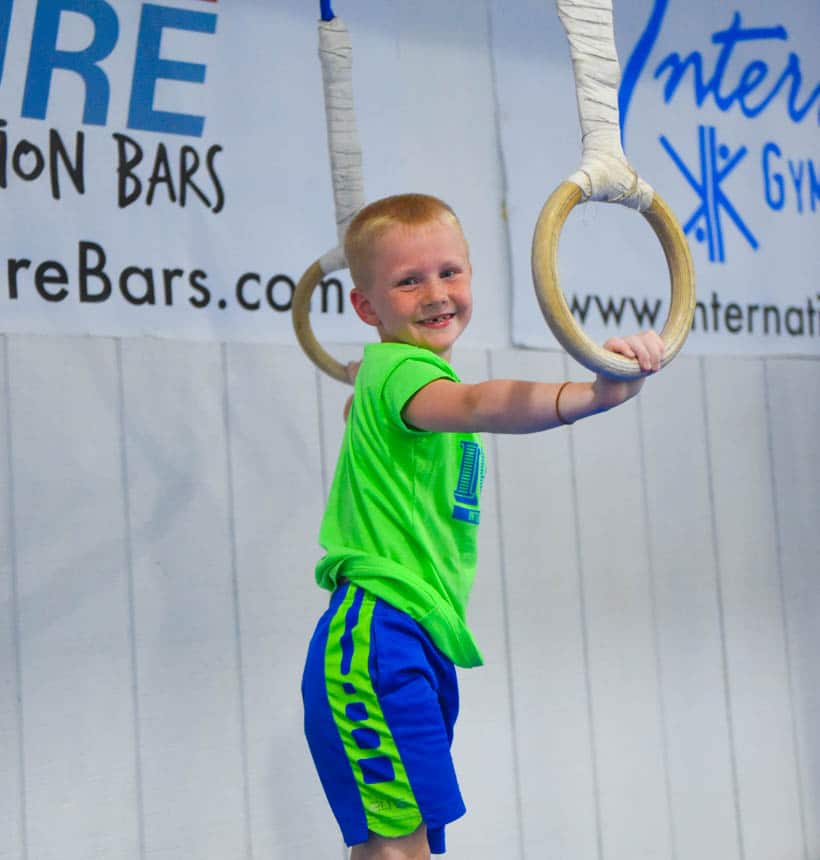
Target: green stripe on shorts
[(387, 797)]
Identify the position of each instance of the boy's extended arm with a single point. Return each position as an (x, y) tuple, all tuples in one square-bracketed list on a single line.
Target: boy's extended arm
[(515, 406)]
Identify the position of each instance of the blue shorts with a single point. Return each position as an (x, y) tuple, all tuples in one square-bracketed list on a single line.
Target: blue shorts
[(380, 705)]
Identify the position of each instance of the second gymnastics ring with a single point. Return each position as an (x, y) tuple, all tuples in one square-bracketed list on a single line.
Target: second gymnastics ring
[(300, 310), (557, 312)]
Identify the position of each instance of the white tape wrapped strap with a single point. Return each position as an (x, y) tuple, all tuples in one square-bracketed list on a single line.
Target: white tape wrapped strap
[(604, 174), (336, 54)]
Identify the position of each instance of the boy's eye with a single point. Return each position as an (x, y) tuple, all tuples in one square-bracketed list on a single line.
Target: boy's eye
[(408, 282), (449, 273)]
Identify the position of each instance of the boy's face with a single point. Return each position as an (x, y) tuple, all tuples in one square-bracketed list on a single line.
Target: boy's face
[(418, 286)]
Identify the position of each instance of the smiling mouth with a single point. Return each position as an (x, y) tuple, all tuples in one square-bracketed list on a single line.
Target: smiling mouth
[(434, 322)]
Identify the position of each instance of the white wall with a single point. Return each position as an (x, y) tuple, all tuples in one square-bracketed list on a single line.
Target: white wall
[(647, 602)]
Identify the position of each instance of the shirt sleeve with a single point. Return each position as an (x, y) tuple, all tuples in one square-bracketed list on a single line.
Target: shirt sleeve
[(405, 380)]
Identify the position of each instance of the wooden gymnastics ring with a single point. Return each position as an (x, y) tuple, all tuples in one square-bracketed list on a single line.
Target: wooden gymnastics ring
[(556, 310), (300, 311)]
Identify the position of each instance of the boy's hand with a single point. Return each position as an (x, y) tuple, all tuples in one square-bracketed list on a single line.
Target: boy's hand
[(648, 349)]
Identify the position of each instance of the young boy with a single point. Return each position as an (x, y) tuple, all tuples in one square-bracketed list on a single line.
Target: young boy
[(399, 530)]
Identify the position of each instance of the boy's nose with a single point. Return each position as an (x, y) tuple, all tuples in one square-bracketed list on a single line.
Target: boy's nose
[(435, 292)]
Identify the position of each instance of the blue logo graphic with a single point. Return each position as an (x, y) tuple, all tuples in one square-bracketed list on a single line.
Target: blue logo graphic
[(744, 70), (470, 480), (755, 90), (716, 163), (152, 69)]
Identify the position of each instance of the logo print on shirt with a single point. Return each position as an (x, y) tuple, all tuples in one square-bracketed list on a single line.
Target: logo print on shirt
[(470, 480)]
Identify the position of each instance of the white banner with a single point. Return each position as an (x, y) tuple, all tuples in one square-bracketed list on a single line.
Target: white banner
[(720, 108), (158, 167), (164, 166)]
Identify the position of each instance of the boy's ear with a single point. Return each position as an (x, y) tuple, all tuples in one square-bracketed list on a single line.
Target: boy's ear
[(363, 307)]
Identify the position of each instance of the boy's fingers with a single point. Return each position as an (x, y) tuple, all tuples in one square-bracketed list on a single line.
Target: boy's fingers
[(621, 346), (656, 348), (642, 354), (647, 348)]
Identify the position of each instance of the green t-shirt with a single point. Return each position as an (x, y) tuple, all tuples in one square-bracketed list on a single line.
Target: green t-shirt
[(404, 505)]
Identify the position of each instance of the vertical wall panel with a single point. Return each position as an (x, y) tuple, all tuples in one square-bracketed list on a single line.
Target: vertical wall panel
[(332, 398), (794, 421), (483, 746), (628, 742), (278, 503), (689, 629), (75, 649), (753, 612), (547, 644), (11, 783), (187, 667)]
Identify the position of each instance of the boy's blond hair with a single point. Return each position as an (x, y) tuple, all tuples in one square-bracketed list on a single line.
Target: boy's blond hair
[(408, 210)]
